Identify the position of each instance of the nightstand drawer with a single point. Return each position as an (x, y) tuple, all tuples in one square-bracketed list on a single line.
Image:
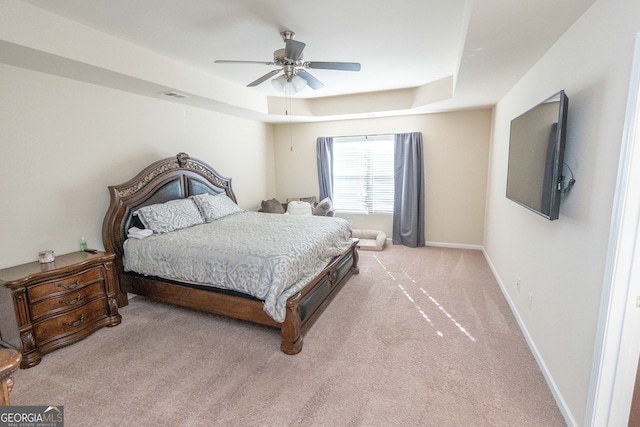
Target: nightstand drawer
[(68, 301), (72, 322), (65, 285)]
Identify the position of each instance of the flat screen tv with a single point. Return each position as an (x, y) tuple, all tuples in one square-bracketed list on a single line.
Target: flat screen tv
[(536, 156)]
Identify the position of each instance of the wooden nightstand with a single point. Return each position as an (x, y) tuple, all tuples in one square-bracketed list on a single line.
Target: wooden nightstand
[(47, 306)]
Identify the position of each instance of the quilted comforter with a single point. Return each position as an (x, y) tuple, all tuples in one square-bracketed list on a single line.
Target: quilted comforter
[(268, 256)]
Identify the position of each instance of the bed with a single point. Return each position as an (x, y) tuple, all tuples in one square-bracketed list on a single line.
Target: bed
[(182, 177)]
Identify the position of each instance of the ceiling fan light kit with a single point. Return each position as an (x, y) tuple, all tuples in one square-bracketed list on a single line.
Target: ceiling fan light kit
[(294, 76), (289, 87)]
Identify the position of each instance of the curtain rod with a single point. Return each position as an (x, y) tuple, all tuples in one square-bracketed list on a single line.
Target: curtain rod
[(373, 134), (366, 136)]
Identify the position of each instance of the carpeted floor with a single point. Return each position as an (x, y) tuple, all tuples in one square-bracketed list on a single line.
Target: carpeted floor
[(421, 337)]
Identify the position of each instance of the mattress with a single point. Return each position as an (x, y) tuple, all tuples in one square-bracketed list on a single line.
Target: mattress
[(268, 256)]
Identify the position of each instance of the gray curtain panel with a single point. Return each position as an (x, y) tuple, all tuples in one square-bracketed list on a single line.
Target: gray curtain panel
[(324, 153), (408, 203)]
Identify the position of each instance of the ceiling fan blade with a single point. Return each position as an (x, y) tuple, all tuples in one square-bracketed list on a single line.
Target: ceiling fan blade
[(227, 61), (312, 82), (344, 66), (263, 78), (293, 49)]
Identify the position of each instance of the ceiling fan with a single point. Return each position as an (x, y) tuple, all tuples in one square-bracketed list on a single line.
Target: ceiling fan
[(293, 67)]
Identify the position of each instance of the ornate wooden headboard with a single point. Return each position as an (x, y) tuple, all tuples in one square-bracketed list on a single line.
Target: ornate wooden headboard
[(168, 179)]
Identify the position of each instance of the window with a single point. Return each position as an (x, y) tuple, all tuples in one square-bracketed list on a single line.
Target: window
[(363, 174)]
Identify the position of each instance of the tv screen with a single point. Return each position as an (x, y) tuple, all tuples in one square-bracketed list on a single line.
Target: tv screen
[(536, 156)]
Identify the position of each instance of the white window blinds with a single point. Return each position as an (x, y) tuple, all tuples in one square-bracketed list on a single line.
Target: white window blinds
[(363, 174)]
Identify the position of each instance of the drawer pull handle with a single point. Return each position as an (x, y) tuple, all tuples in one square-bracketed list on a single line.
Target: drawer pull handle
[(76, 323), (72, 286), (71, 302)]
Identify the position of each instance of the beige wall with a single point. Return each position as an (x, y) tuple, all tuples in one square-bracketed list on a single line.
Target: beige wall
[(561, 263), (455, 162), (63, 142)]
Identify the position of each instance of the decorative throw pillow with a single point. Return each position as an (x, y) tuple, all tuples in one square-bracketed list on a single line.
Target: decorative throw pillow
[(297, 207), (172, 215), (271, 206), (324, 208), (215, 207), (311, 200)]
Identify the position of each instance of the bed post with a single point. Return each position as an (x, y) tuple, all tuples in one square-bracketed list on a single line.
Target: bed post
[(292, 327)]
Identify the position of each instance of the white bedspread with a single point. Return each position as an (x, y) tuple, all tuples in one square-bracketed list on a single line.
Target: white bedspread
[(268, 256)]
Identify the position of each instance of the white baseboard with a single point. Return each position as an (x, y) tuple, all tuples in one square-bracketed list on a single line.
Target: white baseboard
[(562, 404), (454, 245)]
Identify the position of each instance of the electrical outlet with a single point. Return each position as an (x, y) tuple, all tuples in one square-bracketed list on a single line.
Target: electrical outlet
[(530, 300), (518, 284)]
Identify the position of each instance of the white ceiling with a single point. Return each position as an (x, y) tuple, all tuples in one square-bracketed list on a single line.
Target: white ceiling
[(485, 46)]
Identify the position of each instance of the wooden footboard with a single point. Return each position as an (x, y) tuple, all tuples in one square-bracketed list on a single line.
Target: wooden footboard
[(312, 300), (302, 309)]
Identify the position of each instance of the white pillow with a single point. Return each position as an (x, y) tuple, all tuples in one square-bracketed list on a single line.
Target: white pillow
[(215, 207), (298, 208), (172, 215)]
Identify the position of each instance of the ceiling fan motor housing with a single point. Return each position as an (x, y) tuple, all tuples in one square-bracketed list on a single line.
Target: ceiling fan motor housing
[(279, 58)]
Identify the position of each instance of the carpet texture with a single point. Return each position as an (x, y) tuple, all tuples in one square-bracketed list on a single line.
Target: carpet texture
[(421, 337)]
